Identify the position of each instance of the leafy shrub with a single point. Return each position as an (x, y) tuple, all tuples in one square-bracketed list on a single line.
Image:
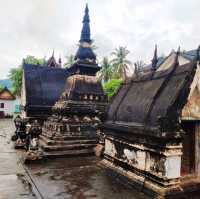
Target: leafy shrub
[(111, 87)]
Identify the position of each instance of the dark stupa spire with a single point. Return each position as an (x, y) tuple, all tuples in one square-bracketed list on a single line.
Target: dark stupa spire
[(85, 33), (85, 58), (85, 51), (155, 59)]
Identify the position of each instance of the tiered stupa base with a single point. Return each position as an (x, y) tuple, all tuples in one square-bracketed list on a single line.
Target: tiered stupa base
[(66, 138)]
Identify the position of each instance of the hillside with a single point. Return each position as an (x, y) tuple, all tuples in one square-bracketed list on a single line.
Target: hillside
[(6, 82)]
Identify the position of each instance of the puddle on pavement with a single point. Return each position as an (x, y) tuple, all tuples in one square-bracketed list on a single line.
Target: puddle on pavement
[(78, 178)]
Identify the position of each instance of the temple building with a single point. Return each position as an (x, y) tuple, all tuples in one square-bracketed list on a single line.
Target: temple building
[(41, 88), (73, 128), (51, 62), (153, 129)]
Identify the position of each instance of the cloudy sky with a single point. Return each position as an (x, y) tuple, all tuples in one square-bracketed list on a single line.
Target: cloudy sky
[(36, 27)]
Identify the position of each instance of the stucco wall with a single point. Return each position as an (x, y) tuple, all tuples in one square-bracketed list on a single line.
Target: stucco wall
[(9, 106)]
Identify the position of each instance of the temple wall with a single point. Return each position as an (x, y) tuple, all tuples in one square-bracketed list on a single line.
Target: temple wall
[(191, 110), (160, 163), (173, 166)]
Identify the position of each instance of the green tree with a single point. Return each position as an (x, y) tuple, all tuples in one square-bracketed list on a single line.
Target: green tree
[(35, 61), (105, 73), (69, 61), (15, 74), (120, 62), (111, 87), (138, 66)]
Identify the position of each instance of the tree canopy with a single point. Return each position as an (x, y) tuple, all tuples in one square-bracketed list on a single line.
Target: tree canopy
[(120, 62), (105, 73), (15, 74), (69, 61), (112, 86), (33, 60)]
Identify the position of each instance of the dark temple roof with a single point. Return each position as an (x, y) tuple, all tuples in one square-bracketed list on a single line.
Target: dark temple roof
[(190, 55), (43, 85), (150, 99), (84, 68)]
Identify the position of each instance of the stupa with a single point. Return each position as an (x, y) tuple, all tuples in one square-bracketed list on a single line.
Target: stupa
[(73, 128)]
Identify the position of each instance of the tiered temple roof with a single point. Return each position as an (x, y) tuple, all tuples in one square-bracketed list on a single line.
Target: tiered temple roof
[(150, 100)]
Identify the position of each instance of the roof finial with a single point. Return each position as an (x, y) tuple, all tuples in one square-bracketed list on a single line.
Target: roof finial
[(177, 55), (179, 50), (85, 33), (53, 53), (155, 59), (60, 61), (197, 55)]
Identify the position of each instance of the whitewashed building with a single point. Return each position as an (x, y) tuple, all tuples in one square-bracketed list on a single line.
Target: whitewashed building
[(7, 103)]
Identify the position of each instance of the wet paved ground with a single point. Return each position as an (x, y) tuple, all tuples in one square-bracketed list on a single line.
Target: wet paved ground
[(69, 178), (12, 183), (78, 178)]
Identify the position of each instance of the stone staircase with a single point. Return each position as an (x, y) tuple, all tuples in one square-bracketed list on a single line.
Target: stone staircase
[(67, 144)]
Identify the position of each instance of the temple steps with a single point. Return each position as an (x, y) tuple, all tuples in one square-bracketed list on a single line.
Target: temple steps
[(65, 147), (73, 140), (56, 154), (68, 137)]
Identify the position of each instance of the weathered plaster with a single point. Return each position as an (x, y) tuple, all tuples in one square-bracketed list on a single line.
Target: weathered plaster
[(191, 110), (173, 167)]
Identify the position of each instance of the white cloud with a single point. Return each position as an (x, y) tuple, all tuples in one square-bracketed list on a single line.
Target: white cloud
[(37, 27)]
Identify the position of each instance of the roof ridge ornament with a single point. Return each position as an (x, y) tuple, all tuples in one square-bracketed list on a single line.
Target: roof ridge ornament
[(154, 61), (60, 61), (197, 55), (51, 62), (176, 61)]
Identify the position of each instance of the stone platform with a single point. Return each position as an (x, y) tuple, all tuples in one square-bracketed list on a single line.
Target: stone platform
[(63, 139)]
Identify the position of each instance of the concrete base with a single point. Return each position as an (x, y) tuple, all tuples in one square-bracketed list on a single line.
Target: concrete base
[(140, 183)]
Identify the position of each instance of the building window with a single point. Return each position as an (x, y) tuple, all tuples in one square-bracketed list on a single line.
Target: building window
[(1, 105)]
